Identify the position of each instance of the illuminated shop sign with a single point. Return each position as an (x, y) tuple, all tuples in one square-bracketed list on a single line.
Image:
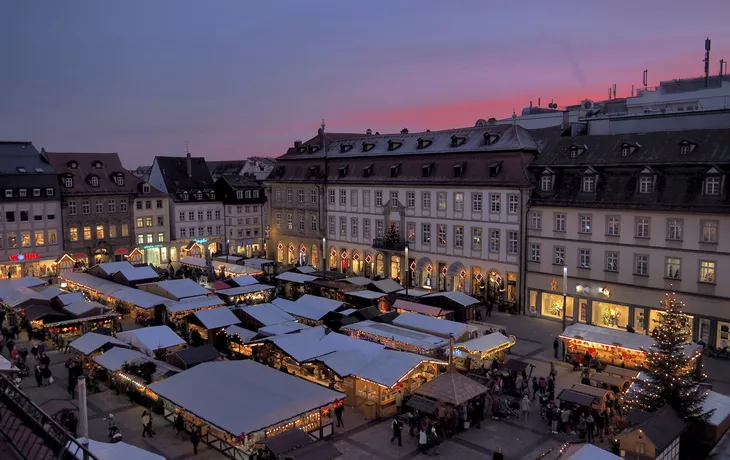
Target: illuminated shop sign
[(29, 256), (153, 246), (202, 241)]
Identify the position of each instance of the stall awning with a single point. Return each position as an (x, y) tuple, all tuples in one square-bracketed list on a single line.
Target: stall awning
[(425, 405), (576, 398)]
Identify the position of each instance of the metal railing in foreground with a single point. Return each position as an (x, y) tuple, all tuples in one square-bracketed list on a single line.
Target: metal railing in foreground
[(32, 432)]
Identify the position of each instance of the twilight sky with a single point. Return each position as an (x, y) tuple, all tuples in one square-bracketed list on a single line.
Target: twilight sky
[(239, 78)]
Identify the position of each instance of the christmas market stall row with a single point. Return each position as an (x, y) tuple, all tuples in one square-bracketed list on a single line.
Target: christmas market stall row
[(619, 348), (368, 373), (208, 397)]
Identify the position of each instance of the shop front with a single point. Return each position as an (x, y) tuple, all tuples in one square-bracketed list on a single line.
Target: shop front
[(27, 264), (155, 254)]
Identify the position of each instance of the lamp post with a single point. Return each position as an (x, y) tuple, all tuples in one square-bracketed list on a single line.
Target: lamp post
[(565, 292), (408, 270), (324, 253)]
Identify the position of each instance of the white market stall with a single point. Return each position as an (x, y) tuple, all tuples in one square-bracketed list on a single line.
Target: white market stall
[(152, 340), (475, 353)]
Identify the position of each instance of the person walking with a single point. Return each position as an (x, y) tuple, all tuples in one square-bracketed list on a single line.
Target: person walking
[(556, 345), (582, 426), (423, 441), (590, 427), (489, 309), (34, 352), (525, 406), (535, 388), (146, 424), (179, 425), (195, 439), (543, 385), (339, 410), (397, 432), (555, 419), (38, 376), (46, 374)]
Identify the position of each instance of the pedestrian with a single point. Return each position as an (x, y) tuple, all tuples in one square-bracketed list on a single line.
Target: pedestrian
[(489, 309), (556, 345), (38, 376), (179, 425), (498, 455), (535, 388), (71, 388), (397, 432), (195, 439), (65, 346), (590, 427), (553, 372), (34, 352), (398, 402), (525, 406), (543, 386), (61, 343), (423, 441), (11, 345), (146, 424), (45, 360), (338, 413), (46, 375), (518, 383), (582, 426), (565, 421), (555, 419), (41, 348)]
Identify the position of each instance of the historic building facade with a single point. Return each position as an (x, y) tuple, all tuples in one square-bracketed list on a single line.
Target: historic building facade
[(632, 217), (244, 199), (151, 219)]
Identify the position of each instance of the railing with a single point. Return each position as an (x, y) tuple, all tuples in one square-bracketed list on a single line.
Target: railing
[(31, 432), (382, 243)]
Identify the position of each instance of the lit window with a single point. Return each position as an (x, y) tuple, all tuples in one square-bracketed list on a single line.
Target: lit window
[(585, 223), (442, 235), (99, 232), (87, 233), (476, 238), (673, 268), (73, 234), (707, 271)]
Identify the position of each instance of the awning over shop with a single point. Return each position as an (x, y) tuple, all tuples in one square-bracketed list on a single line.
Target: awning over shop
[(150, 339), (91, 341), (486, 343), (215, 318)]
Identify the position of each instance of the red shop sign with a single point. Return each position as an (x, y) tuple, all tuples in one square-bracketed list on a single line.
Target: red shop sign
[(29, 256), (121, 251)]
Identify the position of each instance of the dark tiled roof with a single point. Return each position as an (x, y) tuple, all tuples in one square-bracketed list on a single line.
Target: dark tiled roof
[(14, 155), (225, 168), (241, 182), (175, 174), (86, 167), (662, 427)]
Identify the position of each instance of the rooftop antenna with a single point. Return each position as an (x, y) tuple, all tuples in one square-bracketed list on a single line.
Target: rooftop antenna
[(539, 101), (614, 90), (708, 45), (645, 78), (632, 90), (609, 93), (723, 67)]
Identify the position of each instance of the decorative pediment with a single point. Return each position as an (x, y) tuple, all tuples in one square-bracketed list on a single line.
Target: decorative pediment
[(547, 171), (590, 171), (647, 170), (714, 170)]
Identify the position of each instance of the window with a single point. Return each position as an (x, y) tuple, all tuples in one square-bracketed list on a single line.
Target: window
[(239, 194), (99, 207), (546, 183), (585, 223), (51, 217), (182, 233), (8, 193), (354, 227), (393, 199), (611, 261), (140, 222), (426, 233), (50, 192), (685, 149), (353, 198), (642, 227), (707, 271), (535, 252), (673, 268), (159, 204), (100, 232), (513, 202), (613, 225), (278, 220), (378, 198), (441, 228), (181, 216), (313, 223), (24, 216), (255, 193), (645, 184), (458, 236), (331, 197), (12, 240), (278, 194), (331, 225), (73, 234), (68, 182), (366, 228), (411, 199), (160, 237), (584, 258), (140, 239), (9, 216), (494, 240), (494, 202), (512, 242), (52, 236), (36, 192), (379, 228), (411, 232), (426, 200), (712, 185), (119, 180), (71, 208), (476, 238), (476, 202), (313, 196), (208, 215), (289, 221), (301, 222), (674, 229), (22, 192), (641, 264), (366, 198), (125, 230), (160, 221), (343, 197), (112, 231), (709, 231), (39, 237), (459, 201), (217, 214), (25, 239), (85, 207), (148, 204), (123, 205), (441, 201), (288, 195), (625, 151), (111, 206), (87, 233), (536, 220), (148, 221), (559, 255), (589, 184), (94, 181), (138, 205)]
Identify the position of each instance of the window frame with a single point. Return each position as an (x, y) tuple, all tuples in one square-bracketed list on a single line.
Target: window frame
[(668, 265)]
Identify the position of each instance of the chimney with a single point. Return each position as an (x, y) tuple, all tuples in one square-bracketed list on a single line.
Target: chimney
[(297, 144), (369, 132), (189, 162)]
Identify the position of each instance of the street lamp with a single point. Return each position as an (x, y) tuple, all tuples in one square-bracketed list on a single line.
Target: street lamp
[(565, 292), (324, 253), (408, 270)]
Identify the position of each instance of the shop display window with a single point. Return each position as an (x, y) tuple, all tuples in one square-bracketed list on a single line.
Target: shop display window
[(655, 316), (610, 315), (552, 305), (640, 321)]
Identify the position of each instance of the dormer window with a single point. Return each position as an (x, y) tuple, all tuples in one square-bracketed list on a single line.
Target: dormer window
[(314, 148), (98, 164), (68, 182), (185, 196), (426, 169), (646, 184), (313, 171), (119, 180), (367, 171), (457, 141), (146, 188), (546, 180), (459, 169), (344, 171), (576, 150), (212, 195), (8, 193), (239, 194), (73, 165), (712, 185), (302, 149), (394, 170), (625, 150), (21, 169), (94, 181), (684, 149), (198, 196), (394, 145), (344, 148), (367, 146), (424, 143), (22, 193), (495, 169), (687, 147), (589, 184), (490, 139)]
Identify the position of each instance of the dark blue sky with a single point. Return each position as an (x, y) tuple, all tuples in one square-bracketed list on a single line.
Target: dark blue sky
[(239, 78)]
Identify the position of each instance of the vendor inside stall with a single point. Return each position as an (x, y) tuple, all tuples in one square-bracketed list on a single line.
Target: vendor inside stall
[(253, 294), (479, 354)]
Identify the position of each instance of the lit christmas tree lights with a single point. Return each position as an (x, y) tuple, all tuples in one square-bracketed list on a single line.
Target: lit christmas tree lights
[(669, 370)]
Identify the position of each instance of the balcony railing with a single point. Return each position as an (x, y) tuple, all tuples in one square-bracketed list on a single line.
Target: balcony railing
[(382, 243)]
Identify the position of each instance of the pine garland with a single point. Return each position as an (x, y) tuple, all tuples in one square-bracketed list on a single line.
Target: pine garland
[(670, 372)]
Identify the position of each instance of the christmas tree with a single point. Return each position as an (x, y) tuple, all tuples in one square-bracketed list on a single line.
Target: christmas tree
[(669, 371), (393, 236)]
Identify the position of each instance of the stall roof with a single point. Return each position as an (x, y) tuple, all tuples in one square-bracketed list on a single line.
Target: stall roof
[(91, 341), (455, 296), (50, 292), (244, 289), (267, 314), (216, 317), (435, 326), (141, 299), (244, 334), (256, 262), (485, 343), (609, 380), (283, 328), (419, 308), (661, 427), (387, 285), (371, 295), (229, 258), (244, 280), (115, 451), (721, 404), (308, 306), (235, 268), (388, 331), (92, 282), (83, 307), (288, 440), (389, 366), (194, 261), (348, 312), (129, 271), (306, 269), (196, 355), (35, 312), (629, 340), (587, 452), (423, 404), (149, 339), (72, 297), (16, 296), (451, 388), (29, 282), (589, 390), (358, 280), (414, 292), (179, 289), (293, 277), (319, 302), (6, 366), (574, 397), (615, 370), (193, 303), (303, 345), (115, 357), (205, 390)]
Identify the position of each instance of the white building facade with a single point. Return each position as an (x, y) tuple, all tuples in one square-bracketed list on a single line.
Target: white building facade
[(151, 214)]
